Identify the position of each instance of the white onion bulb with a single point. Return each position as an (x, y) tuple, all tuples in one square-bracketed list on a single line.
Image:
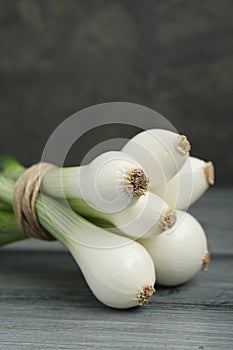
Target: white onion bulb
[(160, 152), (119, 271), (111, 182), (179, 253), (188, 185), (120, 277), (149, 216)]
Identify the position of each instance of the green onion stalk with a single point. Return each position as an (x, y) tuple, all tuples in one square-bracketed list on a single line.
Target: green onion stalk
[(118, 270), (10, 168), (10, 230), (148, 217), (112, 181)]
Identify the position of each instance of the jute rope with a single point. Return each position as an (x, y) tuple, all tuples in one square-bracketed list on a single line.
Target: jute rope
[(24, 197)]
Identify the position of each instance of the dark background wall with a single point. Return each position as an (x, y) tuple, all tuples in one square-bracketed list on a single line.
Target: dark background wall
[(175, 56)]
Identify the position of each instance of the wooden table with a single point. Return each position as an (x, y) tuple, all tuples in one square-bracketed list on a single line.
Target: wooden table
[(45, 302)]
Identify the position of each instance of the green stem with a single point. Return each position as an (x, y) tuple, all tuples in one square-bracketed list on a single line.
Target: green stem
[(58, 181), (6, 190), (82, 208), (5, 207), (61, 221), (11, 167), (10, 230), (6, 238), (8, 223)]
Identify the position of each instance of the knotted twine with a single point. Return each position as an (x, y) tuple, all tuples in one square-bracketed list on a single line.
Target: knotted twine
[(24, 197)]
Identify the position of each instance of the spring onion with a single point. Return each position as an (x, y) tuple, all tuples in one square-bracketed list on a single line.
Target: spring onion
[(119, 271), (110, 182), (180, 252), (160, 152), (149, 216), (188, 185)]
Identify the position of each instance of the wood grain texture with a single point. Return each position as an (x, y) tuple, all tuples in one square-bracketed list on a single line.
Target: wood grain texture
[(46, 304), (214, 211)]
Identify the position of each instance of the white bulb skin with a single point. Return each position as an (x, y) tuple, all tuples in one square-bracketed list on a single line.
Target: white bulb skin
[(148, 217), (179, 253), (188, 185), (112, 191), (111, 182), (121, 277), (160, 152), (118, 270)]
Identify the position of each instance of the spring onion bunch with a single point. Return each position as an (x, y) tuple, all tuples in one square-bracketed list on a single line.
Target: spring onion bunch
[(121, 215)]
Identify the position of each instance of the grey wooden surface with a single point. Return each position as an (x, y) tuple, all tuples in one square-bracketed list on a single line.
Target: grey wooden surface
[(45, 302)]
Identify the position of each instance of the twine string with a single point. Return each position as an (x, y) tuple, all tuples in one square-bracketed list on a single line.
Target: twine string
[(24, 197)]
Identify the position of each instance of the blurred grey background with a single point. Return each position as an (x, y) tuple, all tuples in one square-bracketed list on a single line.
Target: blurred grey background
[(174, 56)]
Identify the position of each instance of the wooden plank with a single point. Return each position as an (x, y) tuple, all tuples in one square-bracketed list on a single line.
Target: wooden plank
[(46, 304), (214, 211), (52, 274)]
